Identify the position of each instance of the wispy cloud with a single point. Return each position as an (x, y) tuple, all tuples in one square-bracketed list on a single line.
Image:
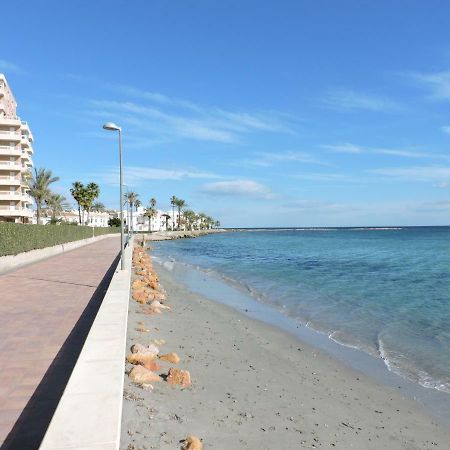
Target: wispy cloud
[(437, 83), (238, 188), (415, 173), (8, 66), (134, 176), (319, 206), (358, 149), (268, 159), (214, 125), (350, 100), (446, 129)]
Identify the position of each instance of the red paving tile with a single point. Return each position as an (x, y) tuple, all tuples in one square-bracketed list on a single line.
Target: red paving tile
[(40, 305)]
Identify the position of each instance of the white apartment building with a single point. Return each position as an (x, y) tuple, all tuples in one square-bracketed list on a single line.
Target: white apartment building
[(144, 223), (96, 219), (15, 160)]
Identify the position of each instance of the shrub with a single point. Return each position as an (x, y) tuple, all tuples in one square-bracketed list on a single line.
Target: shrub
[(17, 238)]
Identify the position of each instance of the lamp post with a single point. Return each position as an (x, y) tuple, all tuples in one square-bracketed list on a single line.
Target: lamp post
[(113, 127)]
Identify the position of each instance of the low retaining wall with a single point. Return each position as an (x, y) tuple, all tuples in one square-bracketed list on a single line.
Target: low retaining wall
[(11, 262), (89, 413)]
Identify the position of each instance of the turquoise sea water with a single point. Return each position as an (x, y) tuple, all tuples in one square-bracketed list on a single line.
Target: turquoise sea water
[(383, 291)]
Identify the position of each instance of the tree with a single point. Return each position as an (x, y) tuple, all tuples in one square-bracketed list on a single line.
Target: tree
[(38, 184), (78, 193), (131, 197), (217, 223), (114, 222), (91, 194), (98, 207), (190, 218), (180, 203), (173, 202), (151, 212), (56, 204)]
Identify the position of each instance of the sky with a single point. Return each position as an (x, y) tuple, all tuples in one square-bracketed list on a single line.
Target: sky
[(259, 113)]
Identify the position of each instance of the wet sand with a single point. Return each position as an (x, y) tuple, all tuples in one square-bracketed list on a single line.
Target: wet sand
[(257, 387)]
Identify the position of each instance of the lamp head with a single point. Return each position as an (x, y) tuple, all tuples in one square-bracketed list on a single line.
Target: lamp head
[(111, 126)]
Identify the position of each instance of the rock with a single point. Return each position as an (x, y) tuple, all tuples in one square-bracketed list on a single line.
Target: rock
[(158, 305), (137, 284), (153, 349), (147, 387), (140, 296), (138, 348), (192, 443), (170, 357), (142, 329), (141, 375), (178, 377), (159, 342), (156, 295), (153, 366), (140, 358)]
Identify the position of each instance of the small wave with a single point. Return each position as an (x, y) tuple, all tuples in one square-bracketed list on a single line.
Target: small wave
[(393, 364)]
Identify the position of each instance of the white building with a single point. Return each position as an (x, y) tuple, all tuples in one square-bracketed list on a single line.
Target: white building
[(95, 219)]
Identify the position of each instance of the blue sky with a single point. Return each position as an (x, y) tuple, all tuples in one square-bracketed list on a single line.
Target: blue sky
[(260, 113)]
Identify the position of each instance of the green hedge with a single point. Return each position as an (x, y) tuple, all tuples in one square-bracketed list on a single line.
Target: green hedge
[(17, 238)]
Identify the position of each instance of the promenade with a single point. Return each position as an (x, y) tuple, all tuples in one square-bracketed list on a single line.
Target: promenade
[(46, 311)]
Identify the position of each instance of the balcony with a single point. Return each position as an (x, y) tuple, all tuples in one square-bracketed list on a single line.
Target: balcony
[(9, 136), (11, 196), (10, 165), (8, 181), (10, 151), (11, 122), (6, 211)]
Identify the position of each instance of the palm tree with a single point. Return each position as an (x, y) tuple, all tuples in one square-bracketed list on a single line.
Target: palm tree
[(131, 198), (56, 204), (180, 205), (38, 184), (189, 217), (92, 191), (98, 207), (150, 213), (217, 223), (173, 202), (78, 192)]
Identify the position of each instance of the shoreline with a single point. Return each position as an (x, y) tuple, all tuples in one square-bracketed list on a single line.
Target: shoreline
[(224, 290), (253, 380)]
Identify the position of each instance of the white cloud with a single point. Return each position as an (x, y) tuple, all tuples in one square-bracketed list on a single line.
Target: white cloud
[(7, 66), (137, 175), (239, 188), (438, 83), (416, 173), (319, 206), (349, 100), (213, 125), (268, 159), (358, 149)]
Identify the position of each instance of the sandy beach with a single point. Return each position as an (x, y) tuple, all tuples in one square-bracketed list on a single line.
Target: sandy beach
[(256, 387)]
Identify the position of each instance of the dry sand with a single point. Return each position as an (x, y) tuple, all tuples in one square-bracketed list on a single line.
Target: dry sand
[(257, 387)]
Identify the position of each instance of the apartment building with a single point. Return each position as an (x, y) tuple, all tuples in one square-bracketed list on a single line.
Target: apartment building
[(15, 160)]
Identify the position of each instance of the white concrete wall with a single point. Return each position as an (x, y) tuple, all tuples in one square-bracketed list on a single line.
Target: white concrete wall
[(89, 413)]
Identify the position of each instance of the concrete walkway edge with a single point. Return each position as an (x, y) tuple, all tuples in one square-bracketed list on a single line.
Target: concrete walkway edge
[(11, 262), (89, 413)]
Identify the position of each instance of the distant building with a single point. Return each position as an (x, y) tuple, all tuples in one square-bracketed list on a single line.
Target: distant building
[(15, 160), (96, 219)]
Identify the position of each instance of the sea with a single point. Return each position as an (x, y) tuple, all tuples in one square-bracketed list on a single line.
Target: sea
[(383, 291)]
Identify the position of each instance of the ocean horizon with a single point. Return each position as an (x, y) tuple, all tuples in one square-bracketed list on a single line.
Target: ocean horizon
[(382, 290)]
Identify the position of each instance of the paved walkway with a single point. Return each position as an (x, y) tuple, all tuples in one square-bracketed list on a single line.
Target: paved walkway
[(46, 311)]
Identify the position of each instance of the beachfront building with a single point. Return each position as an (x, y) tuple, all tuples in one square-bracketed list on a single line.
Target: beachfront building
[(141, 222), (15, 160), (95, 219)]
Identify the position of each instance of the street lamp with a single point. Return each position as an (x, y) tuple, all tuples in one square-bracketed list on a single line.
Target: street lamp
[(113, 127)]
